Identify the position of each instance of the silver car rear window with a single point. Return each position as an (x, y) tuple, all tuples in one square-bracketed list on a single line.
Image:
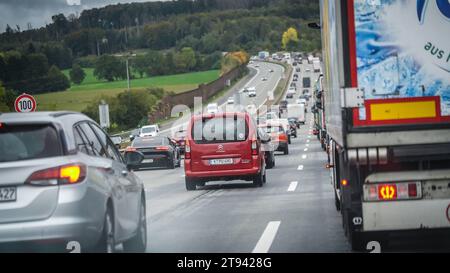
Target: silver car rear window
[(23, 142)]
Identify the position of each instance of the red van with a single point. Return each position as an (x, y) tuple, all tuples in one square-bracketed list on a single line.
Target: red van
[(223, 147)]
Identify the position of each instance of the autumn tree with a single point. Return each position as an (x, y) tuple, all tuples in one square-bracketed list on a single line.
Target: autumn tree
[(290, 40)]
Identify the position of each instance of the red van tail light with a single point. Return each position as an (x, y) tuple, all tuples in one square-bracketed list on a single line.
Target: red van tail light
[(254, 147), (393, 191), (63, 175), (187, 150)]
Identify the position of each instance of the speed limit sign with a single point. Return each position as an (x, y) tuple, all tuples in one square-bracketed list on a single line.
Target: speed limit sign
[(25, 103)]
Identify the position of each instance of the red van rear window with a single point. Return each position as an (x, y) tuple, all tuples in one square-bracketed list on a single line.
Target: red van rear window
[(220, 130)]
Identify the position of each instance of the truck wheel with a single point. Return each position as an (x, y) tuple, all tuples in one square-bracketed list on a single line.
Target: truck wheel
[(337, 203), (286, 150), (191, 185)]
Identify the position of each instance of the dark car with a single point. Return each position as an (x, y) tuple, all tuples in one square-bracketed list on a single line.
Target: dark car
[(295, 121), (180, 140), (298, 69), (293, 128), (283, 105), (157, 152)]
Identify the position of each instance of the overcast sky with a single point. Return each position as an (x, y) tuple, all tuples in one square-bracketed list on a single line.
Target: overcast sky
[(39, 12)]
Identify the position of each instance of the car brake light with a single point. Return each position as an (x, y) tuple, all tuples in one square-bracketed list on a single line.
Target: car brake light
[(162, 148), (392, 191), (68, 174), (254, 147), (130, 149)]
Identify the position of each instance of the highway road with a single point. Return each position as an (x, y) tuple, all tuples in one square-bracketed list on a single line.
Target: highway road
[(294, 212)]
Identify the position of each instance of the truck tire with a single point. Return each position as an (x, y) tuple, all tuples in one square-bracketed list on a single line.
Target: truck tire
[(191, 185), (337, 203)]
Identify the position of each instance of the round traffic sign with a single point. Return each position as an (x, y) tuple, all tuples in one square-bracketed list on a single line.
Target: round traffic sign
[(25, 103)]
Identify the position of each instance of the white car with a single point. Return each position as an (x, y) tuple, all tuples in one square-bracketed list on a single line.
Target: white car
[(251, 91), (302, 101), (264, 79), (149, 131), (212, 108), (230, 100), (271, 116)]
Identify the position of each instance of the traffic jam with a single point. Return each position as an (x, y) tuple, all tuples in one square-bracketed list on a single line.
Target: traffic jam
[(346, 150)]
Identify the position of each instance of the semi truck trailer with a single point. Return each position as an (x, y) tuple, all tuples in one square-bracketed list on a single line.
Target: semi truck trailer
[(386, 91)]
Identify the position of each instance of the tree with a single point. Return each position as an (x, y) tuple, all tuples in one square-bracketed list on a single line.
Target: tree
[(57, 80), (7, 98), (36, 65), (77, 74), (109, 68), (185, 59), (140, 65), (290, 39)]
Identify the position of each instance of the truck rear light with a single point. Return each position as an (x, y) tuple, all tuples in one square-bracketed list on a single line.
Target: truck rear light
[(62, 175), (387, 192), (393, 191)]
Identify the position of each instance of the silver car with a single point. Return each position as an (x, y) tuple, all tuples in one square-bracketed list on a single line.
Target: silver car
[(62, 180)]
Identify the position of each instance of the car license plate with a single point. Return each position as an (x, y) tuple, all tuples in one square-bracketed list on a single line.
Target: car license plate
[(148, 161), (8, 194), (227, 161)]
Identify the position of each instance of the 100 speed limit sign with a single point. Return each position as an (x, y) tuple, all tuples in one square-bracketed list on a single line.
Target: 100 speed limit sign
[(25, 103)]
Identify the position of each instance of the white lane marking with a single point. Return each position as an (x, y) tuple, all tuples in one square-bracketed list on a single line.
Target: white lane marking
[(304, 156), (293, 186), (183, 175), (309, 136), (307, 141), (307, 145), (267, 237), (300, 168), (305, 150)]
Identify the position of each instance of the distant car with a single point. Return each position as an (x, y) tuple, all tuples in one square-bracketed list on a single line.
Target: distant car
[(305, 91), (293, 128), (117, 140), (264, 79), (251, 92), (268, 147), (233, 153), (149, 131), (212, 108), (295, 79), (279, 137), (308, 70), (294, 63), (134, 134), (230, 100), (271, 116), (283, 105), (64, 180), (157, 152), (298, 70), (271, 70), (293, 84), (295, 76), (291, 92), (180, 139)]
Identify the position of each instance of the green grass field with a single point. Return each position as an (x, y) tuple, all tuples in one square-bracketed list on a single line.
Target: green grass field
[(78, 96)]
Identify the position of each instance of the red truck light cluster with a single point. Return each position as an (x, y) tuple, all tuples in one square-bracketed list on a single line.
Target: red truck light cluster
[(393, 191)]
